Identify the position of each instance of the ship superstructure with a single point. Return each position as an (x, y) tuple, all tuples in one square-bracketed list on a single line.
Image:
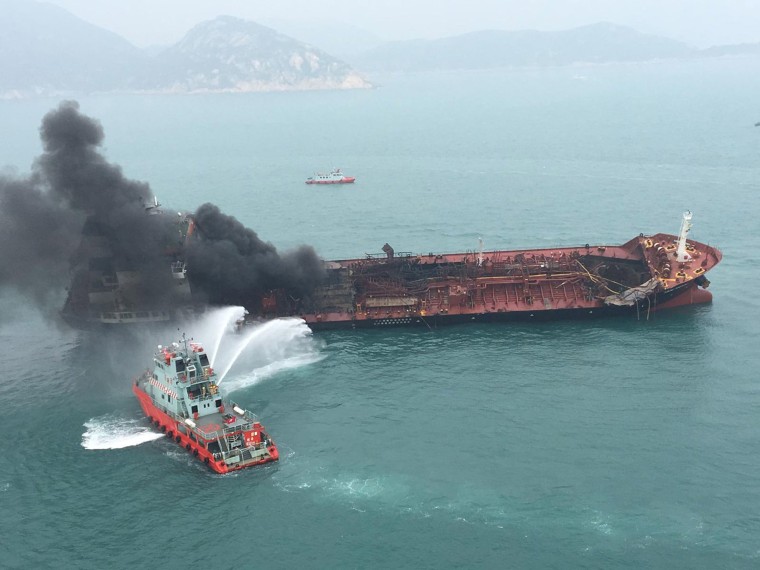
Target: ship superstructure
[(180, 395), (107, 289)]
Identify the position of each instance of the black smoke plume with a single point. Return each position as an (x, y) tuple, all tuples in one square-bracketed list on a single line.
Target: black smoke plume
[(42, 215), (233, 266), (73, 190)]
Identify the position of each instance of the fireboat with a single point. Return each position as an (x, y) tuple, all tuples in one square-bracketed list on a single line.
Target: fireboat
[(181, 397), (334, 177)]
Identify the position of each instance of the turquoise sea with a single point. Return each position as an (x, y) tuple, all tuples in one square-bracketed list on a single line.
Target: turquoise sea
[(609, 444)]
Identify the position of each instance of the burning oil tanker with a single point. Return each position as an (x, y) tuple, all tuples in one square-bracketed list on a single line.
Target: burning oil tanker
[(646, 274)]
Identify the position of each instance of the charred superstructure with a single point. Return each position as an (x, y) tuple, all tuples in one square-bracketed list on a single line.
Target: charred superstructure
[(109, 288)]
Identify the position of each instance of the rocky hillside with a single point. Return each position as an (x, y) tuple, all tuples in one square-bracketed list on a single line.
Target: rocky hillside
[(230, 54), (45, 50)]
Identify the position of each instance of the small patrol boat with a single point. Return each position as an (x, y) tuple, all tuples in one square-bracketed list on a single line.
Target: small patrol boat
[(334, 177), (180, 395)]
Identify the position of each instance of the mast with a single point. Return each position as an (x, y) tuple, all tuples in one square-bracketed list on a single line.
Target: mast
[(681, 252)]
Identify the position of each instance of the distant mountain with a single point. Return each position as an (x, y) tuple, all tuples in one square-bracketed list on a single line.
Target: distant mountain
[(230, 54), (596, 43), (45, 49), (731, 50)]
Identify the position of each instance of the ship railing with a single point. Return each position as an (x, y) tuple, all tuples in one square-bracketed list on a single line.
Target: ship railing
[(199, 397), (227, 451), (236, 428), (253, 418), (396, 255), (207, 434)]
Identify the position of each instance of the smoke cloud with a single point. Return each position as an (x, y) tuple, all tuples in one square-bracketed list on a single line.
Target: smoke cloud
[(74, 191), (234, 266)]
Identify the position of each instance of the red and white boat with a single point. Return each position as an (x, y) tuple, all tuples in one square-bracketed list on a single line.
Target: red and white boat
[(334, 177), (181, 397)]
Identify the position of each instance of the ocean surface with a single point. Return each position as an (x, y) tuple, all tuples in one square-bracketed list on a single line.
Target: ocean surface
[(617, 443)]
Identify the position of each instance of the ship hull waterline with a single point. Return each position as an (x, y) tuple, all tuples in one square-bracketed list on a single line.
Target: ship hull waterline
[(688, 294)]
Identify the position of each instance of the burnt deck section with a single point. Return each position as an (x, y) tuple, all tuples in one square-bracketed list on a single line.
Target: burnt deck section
[(404, 289)]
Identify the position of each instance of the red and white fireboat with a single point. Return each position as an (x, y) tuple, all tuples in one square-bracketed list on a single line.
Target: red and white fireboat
[(334, 177), (180, 396)]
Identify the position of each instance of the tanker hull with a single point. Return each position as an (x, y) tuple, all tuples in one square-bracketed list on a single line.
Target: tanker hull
[(637, 278)]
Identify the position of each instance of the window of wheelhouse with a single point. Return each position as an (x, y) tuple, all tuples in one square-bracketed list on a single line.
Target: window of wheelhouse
[(180, 364), (204, 359)]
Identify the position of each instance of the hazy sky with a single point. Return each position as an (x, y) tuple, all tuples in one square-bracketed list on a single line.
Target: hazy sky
[(698, 22)]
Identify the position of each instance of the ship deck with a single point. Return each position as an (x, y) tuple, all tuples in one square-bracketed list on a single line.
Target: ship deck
[(401, 288), (497, 256), (213, 424)]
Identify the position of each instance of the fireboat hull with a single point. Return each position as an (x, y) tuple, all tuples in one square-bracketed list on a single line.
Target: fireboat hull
[(347, 180)]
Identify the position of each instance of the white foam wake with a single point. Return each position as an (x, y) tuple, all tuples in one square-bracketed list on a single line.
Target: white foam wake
[(111, 432)]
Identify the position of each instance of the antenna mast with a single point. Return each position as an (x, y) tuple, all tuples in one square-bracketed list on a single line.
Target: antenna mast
[(682, 254)]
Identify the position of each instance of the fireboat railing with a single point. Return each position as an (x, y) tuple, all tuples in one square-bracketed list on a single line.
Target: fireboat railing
[(253, 418), (201, 397)]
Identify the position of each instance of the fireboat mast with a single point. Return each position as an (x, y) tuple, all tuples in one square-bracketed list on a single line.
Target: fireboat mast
[(681, 253)]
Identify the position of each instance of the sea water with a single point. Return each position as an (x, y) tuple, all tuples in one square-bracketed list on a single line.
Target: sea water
[(604, 444)]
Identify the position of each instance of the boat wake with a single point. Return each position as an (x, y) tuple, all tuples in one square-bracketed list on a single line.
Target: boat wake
[(112, 432)]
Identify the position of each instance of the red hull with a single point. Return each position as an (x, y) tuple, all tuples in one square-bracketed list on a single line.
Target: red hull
[(347, 180), (552, 283), (168, 425)]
